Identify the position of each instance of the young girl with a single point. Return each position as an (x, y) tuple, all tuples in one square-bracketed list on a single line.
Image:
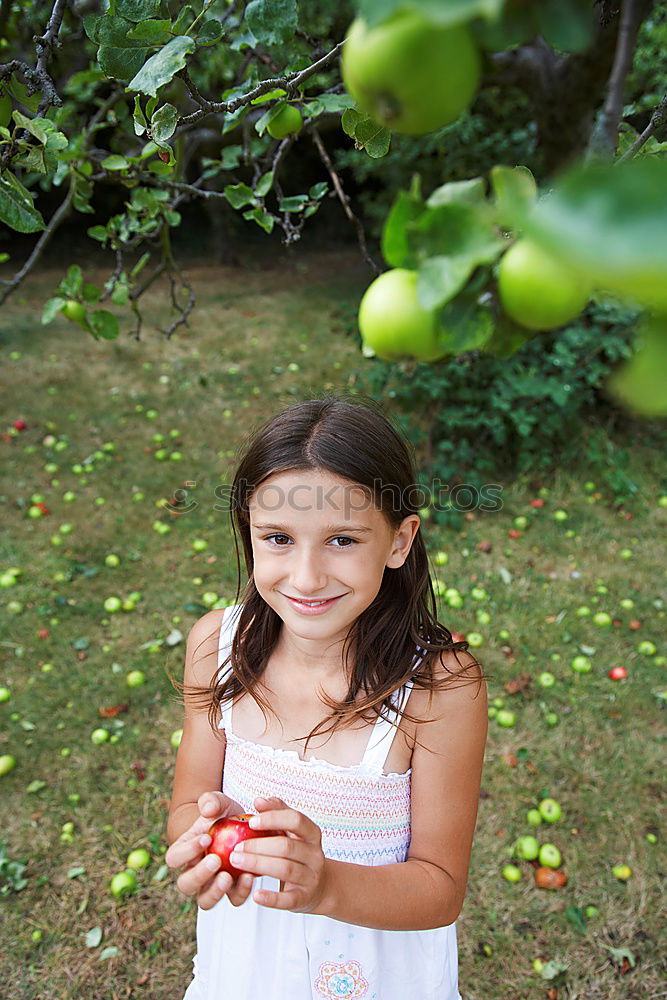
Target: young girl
[(357, 893)]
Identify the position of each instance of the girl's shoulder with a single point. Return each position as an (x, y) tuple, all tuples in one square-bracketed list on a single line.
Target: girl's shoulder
[(445, 672), (204, 642)]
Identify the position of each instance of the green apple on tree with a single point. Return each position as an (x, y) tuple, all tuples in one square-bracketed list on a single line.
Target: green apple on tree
[(287, 121), (537, 290), (410, 74), (393, 324), (74, 311)]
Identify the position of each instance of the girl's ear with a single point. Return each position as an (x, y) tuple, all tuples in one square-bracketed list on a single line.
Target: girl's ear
[(403, 540)]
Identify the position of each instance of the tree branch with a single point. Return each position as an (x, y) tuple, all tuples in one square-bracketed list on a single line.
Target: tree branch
[(290, 84), (657, 122), (625, 45), (344, 200)]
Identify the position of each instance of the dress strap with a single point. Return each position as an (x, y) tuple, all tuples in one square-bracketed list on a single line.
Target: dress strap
[(227, 628), (383, 731)]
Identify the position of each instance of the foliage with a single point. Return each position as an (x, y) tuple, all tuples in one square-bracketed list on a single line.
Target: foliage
[(497, 128), (166, 102), (482, 420)]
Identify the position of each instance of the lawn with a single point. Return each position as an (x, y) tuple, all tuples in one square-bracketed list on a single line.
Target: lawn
[(114, 431)]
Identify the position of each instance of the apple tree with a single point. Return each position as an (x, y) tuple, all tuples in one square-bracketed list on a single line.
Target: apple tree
[(114, 95)]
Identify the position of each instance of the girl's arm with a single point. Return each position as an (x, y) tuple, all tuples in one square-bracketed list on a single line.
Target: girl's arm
[(196, 799), (428, 889), (201, 753)]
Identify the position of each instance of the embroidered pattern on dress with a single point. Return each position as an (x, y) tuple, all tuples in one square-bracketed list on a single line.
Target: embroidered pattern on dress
[(337, 980)]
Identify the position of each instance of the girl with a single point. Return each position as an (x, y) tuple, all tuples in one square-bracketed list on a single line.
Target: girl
[(357, 893)]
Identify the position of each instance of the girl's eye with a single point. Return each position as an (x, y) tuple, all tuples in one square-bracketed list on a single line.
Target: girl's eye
[(270, 537), (338, 538)]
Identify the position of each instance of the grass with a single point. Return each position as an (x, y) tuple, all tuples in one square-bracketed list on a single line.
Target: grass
[(211, 384)]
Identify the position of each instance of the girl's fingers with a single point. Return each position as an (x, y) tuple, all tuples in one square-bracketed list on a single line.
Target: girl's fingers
[(195, 879), (214, 892), (240, 890)]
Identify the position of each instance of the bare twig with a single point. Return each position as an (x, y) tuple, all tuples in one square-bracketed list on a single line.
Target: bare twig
[(657, 122), (344, 200), (45, 44)]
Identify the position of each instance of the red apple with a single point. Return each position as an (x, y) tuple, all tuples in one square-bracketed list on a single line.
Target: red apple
[(20, 425), (226, 833), (550, 878), (618, 673)]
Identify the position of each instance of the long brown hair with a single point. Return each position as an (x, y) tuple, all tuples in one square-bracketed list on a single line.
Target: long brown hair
[(350, 437)]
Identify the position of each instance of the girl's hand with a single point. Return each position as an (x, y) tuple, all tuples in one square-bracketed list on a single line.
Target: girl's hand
[(202, 879), (296, 859)]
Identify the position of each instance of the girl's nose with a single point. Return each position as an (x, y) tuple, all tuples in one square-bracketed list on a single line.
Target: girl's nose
[(308, 575)]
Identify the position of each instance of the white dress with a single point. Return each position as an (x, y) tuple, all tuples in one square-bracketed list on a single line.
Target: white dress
[(253, 952)]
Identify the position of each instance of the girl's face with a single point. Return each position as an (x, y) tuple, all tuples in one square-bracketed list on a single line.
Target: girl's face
[(316, 537)]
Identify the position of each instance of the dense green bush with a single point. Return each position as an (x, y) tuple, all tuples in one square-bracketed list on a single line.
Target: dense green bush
[(478, 420)]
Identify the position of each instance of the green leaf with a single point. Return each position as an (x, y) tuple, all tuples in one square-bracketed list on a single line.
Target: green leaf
[(72, 283), (16, 206), (295, 203), (367, 134), (163, 123), (609, 221), (576, 917), (90, 292), (51, 309), (239, 195), (104, 324), (184, 21), (440, 278), (115, 162), (396, 249), (515, 193), (618, 954), (450, 242), (272, 22), (98, 233), (140, 123), (451, 12), (32, 125), (162, 66), (210, 32), (138, 10), (553, 968), (151, 32), (231, 157), (76, 871), (271, 95), (507, 338), (332, 103), (121, 63), (640, 383), (35, 786), (464, 325), (261, 217), (318, 190), (567, 25), (110, 952), (93, 937), (454, 191), (264, 184)]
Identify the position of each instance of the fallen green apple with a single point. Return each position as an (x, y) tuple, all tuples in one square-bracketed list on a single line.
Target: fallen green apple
[(123, 884)]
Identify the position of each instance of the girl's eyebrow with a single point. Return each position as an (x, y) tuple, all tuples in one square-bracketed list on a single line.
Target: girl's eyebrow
[(327, 528)]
